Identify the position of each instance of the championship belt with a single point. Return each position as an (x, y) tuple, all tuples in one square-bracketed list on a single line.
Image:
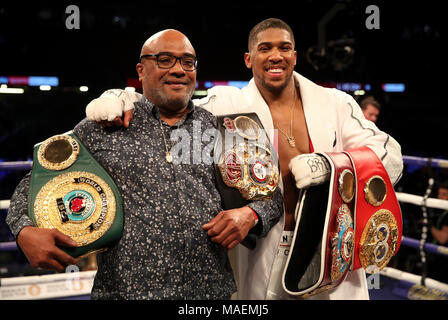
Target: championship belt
[(71, 192), (246, 165), (351, 221), (378, 220)]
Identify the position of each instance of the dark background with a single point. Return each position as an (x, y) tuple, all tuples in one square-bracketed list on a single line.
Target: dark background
[(103, 53)]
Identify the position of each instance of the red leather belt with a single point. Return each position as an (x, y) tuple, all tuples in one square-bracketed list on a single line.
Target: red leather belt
[(351, 221)]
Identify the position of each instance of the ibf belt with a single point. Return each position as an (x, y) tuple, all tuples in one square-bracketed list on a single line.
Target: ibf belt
[(246, 165), (72, 193), (352, 221), (378, 219)]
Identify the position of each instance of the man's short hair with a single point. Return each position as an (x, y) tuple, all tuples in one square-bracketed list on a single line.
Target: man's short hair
[(267, 24), (369, 100)]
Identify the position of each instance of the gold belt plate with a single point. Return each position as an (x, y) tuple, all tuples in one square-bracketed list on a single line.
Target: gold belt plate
[(79, 204)]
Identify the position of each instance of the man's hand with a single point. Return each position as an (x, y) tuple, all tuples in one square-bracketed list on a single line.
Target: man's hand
[(309, 169), (118, 122), (230, 227), (108, 109), (39, 246)]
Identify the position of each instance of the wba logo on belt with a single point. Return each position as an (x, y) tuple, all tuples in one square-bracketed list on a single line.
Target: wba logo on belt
[(245, 160), (246, 164)]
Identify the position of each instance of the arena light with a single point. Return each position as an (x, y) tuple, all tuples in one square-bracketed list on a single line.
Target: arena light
[(201, 93), (238, 84), (32, 81), (393, 87), (355, 87), (43, 81), (45, 88), (5, 89), (207, 84), (83, 88), (349, 86), (18, 80)]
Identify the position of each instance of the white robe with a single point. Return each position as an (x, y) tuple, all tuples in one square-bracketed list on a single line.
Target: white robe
[(335, 123)]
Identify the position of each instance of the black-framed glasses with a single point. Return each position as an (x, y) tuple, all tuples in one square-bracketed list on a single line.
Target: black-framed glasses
[(167, 60)]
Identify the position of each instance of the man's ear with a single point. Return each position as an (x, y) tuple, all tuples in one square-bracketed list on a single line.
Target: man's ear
[(247, 60), (139, 67)]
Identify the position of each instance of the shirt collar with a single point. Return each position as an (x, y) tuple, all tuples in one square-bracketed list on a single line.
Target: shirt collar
[(153, 110)]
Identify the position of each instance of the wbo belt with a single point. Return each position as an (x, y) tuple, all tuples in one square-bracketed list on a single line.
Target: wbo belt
[(246, 165), (71, 192), (351, 221)]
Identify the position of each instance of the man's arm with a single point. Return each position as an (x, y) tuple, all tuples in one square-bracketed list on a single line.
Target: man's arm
[(17, 218), (40, 246), (355, 131), (358, 132), (269, 212), (230, 227), (113, 107)]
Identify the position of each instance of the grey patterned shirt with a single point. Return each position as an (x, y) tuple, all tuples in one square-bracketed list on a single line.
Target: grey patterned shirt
[(164, 253)]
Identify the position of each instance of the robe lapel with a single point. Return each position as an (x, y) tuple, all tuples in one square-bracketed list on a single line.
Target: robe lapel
[(257, 104), (316, 106)]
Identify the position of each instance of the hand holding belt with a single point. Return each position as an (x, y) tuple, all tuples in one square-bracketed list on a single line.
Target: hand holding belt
[(309, 169), (71, 192), (246, 166), (351, 221)]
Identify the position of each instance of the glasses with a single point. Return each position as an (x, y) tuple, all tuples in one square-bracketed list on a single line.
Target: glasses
[(167, 61)]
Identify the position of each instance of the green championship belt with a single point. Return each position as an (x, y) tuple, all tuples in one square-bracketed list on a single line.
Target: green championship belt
[(71, 192)]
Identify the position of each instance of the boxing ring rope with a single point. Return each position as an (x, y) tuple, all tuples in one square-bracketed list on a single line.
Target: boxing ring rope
[(4, 204), (52, 286), (40, 283), (429, 247), (437, 163), (432, 290), (16, 165), (418, 200)]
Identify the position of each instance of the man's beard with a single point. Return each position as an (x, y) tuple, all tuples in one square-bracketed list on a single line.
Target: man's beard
[(171, 104), (274, 89)]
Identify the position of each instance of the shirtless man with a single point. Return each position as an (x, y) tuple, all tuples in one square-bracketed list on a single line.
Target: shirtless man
[(307, 118)]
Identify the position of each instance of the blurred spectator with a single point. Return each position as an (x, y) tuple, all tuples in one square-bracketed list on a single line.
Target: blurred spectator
[(438, 225), (371, 108)]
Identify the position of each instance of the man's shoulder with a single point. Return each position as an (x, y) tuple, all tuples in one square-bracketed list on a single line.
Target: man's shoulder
[(225, 90), (85, 126), (222, 100), (88, 131), (218, 94), (308, 84)]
